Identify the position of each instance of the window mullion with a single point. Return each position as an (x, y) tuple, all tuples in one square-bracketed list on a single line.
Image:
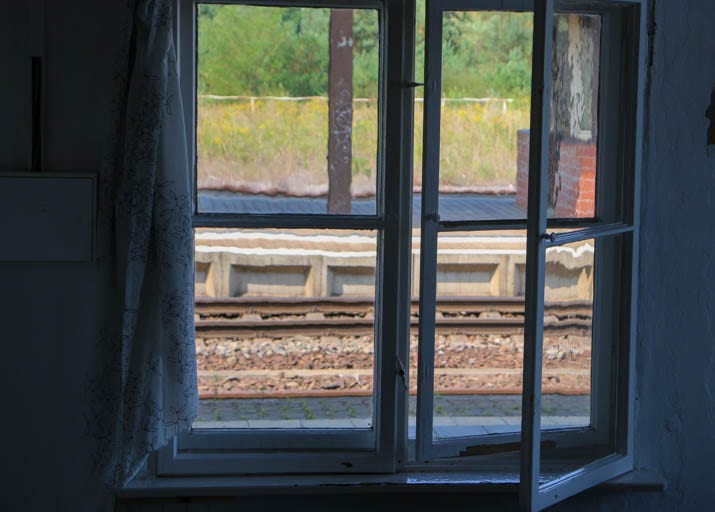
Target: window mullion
[(536, 255), (399, 115), (397, 235), (430, 228)]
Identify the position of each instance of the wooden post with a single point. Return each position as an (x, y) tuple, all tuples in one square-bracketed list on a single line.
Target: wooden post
[(340, 111)]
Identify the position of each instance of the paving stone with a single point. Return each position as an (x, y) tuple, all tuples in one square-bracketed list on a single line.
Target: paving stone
[(323, 423), (221, 424), (501, 429), (491, 411), (443, 421), (566, 421), (459, 431), (274, 424), (512, 420)]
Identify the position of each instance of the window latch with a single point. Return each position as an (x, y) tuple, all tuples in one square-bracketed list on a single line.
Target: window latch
[(548, 237), (400, 370), (432, 217)]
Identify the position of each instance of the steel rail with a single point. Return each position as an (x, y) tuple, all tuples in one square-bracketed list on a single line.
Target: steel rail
[(205, 306), (366, 326)]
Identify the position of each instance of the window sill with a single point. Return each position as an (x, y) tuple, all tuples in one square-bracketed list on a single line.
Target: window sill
[(489, 483)]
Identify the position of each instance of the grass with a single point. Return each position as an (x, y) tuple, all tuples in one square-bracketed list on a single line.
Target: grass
[(281, 146), (307, 413)]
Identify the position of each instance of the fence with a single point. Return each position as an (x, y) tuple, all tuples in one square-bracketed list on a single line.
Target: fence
[(252, 99)]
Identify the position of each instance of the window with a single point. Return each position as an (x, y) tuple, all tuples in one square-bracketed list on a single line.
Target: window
[(364, 273)]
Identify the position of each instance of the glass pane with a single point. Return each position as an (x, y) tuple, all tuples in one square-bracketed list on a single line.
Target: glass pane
[(568, 336), (485, 109), (285, 328), (479, 333), (287, 111), (414, 332), (573, 138), (582, 331)]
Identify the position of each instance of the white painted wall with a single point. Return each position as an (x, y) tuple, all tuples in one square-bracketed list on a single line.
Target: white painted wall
[(46, 309)]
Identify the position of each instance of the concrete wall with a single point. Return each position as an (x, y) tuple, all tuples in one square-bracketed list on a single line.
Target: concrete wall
[(46, 315)]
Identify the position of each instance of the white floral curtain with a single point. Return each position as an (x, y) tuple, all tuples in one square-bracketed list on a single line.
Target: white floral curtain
[(141, 390)]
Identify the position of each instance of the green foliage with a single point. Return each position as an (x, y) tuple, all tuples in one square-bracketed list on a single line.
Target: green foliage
[(247, 50), (261, 51), (486, 54), (269, 51), (239, 52)]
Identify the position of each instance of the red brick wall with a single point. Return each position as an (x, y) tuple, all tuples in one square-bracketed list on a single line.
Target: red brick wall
[(576, 174)]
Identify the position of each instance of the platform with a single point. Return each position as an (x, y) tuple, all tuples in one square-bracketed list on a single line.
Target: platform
[(455, 415), (452, 206)]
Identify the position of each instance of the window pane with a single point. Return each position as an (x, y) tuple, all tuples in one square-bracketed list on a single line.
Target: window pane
[(485, 108), (582, 334), (285, 328), (568, 335), (287, 110), (479, 333), (573, 138)]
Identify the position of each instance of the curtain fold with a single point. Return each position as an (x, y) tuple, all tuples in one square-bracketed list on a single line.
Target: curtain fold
[(141, 390)]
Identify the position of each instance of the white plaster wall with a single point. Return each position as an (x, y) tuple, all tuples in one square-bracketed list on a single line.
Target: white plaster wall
[(676, 341), (46, 309), (676, 329)]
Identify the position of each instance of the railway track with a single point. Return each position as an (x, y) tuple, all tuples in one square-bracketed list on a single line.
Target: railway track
[(224, 376), (281, 347), (280, 317)]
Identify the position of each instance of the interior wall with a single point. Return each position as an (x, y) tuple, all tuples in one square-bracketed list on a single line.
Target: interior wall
[(676, 338), (47, 309), (46, 313)]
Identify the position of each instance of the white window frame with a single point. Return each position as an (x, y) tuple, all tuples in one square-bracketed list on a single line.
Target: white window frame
[(619, 157), (319, 450), (385, 448)]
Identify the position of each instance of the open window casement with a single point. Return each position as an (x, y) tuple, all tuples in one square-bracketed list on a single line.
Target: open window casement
[(549, 472), (586, 102)]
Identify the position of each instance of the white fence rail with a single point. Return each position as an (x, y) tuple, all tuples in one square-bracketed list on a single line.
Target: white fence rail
[(252, 99)]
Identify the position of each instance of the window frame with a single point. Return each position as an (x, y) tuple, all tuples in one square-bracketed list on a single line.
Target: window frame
[(630, 16), (389, 451), (214, 451), (609, 219)]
